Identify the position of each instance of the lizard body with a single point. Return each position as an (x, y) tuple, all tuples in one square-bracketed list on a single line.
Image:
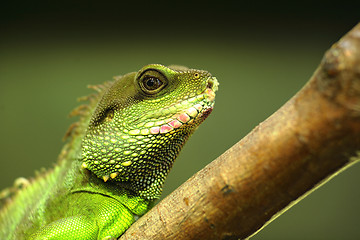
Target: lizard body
[(116, 160)]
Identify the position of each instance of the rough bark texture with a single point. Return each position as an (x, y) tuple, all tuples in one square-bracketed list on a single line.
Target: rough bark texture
[(314, 136)]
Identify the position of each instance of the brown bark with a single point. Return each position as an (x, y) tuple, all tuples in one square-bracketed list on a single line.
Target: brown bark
[(314, 136)]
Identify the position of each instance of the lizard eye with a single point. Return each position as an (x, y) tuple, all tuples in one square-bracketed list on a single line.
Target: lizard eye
[(152, 81)]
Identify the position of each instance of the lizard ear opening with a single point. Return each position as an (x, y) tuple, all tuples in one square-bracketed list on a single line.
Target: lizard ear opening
[(105, 115)]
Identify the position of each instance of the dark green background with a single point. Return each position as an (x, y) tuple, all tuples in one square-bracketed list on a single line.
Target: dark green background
[(261, 53)]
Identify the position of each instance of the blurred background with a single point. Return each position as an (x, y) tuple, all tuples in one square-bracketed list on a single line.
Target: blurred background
[(262, 54)]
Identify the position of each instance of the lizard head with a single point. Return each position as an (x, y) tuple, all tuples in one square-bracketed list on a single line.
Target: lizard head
[(141, 123)]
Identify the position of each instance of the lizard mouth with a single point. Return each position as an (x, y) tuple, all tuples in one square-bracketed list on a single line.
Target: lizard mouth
[(211, 88), (200, 107), (184, 112)]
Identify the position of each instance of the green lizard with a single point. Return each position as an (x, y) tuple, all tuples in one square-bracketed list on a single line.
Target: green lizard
[(116, 160)]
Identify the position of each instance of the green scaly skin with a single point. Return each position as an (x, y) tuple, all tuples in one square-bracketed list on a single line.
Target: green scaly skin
[(118, 156)]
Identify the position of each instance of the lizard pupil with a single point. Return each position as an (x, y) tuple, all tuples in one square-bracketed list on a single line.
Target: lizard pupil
[(152, 83)]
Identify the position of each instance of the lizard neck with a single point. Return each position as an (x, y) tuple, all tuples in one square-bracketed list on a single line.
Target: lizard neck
[(78, 179)]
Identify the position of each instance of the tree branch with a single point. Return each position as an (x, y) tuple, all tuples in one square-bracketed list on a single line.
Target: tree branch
[(313, 137)]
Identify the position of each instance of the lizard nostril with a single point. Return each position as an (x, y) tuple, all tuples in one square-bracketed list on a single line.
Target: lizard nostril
[(210, 84)]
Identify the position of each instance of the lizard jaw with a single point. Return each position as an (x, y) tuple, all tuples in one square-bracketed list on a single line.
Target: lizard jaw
[(183, 112), (200, 107)]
